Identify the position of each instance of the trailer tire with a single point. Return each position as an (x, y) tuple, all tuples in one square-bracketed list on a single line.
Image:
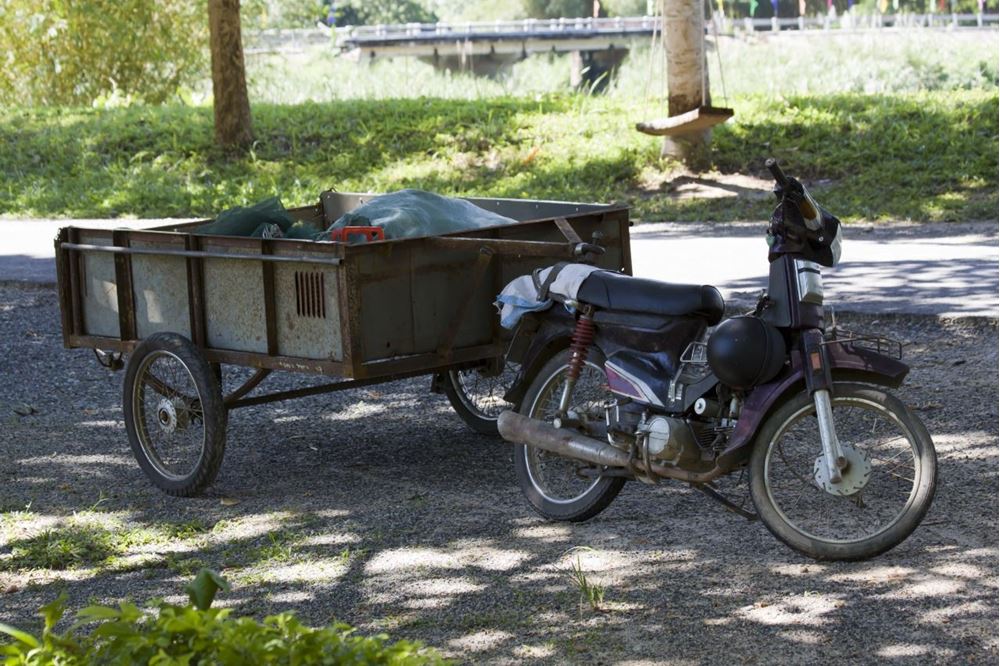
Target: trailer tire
[(174, 414), (480, 409)]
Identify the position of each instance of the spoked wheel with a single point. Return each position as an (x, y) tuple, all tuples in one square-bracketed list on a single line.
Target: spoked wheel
[(477, 394), (174, 415), (887, 486), (560, 488)]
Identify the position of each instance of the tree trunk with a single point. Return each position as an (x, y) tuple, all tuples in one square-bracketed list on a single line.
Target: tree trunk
[(687, 73), (229, 82)]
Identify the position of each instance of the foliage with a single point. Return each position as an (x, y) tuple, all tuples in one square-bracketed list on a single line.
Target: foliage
[(197, 633), (923, 156), (371, 12), (60, 52), (277, 14), (543, 9)]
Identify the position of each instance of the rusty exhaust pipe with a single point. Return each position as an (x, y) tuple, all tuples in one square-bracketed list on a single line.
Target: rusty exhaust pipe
[(567, 443), (520, 429)]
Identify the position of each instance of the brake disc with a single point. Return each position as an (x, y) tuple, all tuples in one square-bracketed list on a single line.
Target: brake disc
[(854, 476)]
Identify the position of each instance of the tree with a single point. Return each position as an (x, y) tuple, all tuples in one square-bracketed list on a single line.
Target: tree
[(70, 53), (229, 82), (687, 73), (543, 9)]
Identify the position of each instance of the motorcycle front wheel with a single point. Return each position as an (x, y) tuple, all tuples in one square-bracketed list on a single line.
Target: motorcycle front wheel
[(560, 488), (887, 488)]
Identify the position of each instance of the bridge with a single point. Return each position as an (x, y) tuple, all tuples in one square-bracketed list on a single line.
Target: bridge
[(597, 45)]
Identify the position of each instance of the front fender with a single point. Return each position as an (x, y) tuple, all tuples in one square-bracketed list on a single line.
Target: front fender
[(847, 363)]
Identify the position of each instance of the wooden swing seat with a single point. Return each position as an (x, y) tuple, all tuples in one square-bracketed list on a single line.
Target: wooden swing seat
[(702, 118)]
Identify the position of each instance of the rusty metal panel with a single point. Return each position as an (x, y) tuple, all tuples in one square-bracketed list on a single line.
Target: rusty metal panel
[(159, 285), (98, 287), (441, 283), (307, 308), (234, 297), (385, 288)]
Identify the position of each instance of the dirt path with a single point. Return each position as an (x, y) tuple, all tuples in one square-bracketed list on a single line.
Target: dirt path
[(378, 507)]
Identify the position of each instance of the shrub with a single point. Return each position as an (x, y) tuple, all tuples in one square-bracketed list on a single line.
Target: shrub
[(197, 633), (59, 52)]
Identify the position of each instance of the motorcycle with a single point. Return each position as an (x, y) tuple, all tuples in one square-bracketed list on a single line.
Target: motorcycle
[(635, 379)]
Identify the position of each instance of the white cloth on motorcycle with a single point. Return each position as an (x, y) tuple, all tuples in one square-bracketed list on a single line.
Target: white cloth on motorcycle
[(538, 291)]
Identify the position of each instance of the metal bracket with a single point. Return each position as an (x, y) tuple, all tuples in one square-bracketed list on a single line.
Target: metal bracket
[(111, 360)]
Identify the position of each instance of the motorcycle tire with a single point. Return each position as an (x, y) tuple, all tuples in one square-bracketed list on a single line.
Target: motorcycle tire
[(543, 476), (887, 488)]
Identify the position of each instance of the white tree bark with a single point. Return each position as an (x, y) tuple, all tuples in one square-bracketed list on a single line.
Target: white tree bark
[(687, 72)]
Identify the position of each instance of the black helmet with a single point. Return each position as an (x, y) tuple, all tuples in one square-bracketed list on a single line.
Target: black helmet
[(745, 351)]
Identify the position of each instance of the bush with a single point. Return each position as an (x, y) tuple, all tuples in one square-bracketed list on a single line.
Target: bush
[(75, 52), (197, 633)]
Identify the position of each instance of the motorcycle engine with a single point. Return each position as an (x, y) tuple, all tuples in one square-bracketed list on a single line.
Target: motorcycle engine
[(690, 444), (670, 440)]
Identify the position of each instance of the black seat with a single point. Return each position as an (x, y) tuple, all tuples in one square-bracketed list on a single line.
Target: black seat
[(624, 293)]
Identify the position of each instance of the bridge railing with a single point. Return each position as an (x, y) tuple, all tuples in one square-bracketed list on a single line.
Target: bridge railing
[(644, 25), (587, 25)]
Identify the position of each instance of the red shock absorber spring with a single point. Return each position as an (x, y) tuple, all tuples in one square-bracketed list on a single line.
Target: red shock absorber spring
[(583, 336)]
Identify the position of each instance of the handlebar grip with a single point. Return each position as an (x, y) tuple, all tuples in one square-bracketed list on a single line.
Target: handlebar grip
[(779, 175)]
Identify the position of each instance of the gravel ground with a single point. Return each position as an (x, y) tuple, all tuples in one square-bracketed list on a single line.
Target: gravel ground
[(379, 507)]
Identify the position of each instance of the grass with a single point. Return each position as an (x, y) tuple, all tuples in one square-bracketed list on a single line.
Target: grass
[(922, 156), (888, 126), (91, 540), (591, 593)]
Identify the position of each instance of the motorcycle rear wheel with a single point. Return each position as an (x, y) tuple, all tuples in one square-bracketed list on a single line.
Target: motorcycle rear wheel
[(895, 492), (560, 488)]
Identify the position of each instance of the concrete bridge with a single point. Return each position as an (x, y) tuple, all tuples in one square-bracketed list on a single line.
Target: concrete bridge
[(597, 45)]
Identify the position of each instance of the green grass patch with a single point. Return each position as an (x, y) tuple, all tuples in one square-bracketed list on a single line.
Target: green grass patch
[(78, 543), (922, 156)]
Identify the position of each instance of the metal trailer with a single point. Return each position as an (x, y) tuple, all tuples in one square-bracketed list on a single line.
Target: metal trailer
[(181, 305)]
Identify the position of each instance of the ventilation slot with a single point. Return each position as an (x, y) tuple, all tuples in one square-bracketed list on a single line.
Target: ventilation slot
[(310, 295)]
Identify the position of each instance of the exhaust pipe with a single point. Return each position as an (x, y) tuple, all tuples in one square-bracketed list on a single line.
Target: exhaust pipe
[(567, 443), (520, 429)]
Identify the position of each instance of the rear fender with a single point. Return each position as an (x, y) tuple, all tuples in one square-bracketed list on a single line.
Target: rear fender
[(536, 341), (846, 364)]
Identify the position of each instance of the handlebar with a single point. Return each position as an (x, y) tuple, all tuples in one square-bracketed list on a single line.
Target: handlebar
[(779, 175), (806, 207)]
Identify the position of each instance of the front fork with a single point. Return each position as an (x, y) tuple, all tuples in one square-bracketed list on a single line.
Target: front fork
[(819, 383)]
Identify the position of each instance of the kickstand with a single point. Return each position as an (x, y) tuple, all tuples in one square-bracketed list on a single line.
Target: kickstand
[(725, 501)]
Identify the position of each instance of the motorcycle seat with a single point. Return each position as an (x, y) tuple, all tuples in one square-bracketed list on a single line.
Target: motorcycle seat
[(623, 293)]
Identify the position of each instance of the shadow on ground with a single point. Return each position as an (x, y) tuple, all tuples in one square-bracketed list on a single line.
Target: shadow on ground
[(378, 507)]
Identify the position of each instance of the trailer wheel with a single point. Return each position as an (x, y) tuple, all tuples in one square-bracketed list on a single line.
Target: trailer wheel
[(174, 414), (477, 395)]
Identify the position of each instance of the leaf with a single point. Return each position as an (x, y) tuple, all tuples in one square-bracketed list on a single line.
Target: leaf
[(53, 612), (202, 589), (94, 613), (19, 635)]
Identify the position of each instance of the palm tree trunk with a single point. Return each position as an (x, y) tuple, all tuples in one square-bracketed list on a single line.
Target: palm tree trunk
[(229, 84), (687, 73)]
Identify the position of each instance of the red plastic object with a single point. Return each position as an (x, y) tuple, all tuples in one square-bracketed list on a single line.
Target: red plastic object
[(343, 234)]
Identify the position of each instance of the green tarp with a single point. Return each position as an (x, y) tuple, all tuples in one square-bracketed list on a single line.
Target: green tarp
[(402, 214)]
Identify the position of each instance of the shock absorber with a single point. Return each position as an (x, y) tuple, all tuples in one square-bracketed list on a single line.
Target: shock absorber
[(583, 337)]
